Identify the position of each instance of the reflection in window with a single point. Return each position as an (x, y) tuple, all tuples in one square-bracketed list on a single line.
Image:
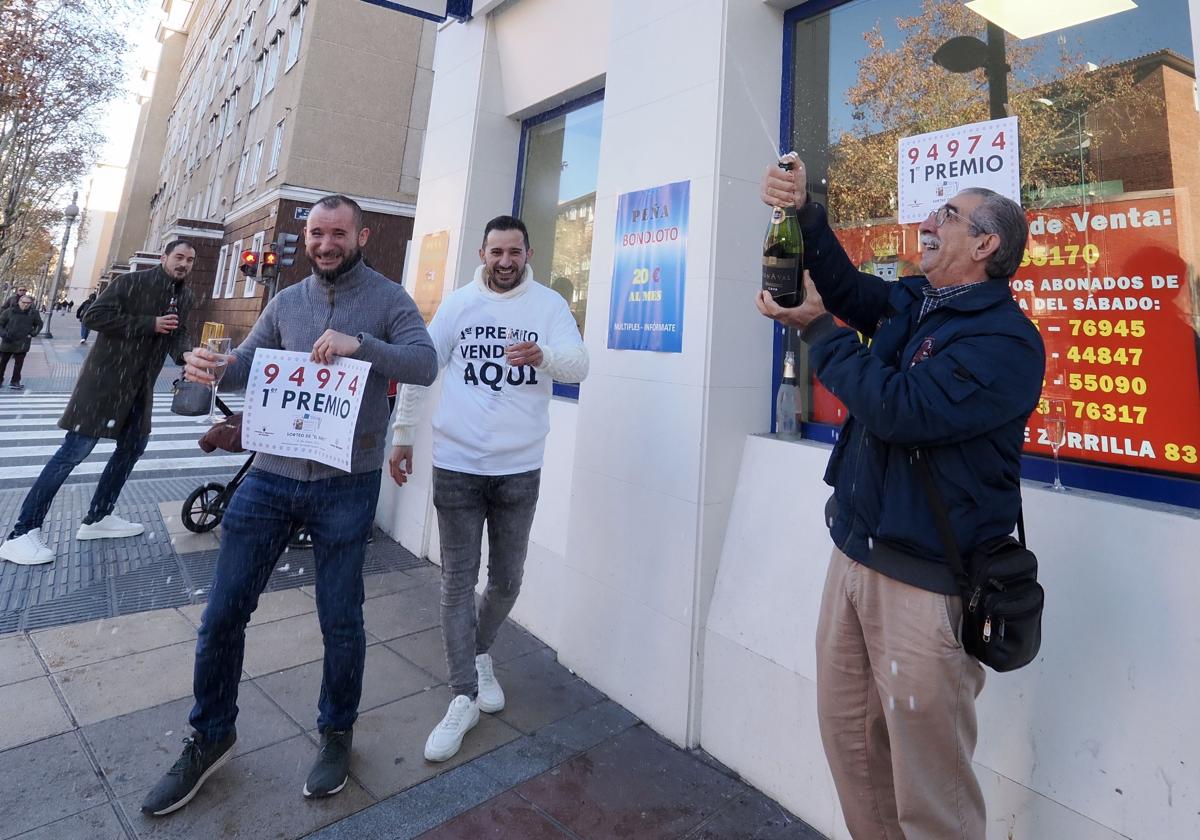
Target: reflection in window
[(558, 199), (1108, 125)]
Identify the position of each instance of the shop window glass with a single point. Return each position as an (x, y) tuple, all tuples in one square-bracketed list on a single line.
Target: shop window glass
[(1108, 123), (557, 198)]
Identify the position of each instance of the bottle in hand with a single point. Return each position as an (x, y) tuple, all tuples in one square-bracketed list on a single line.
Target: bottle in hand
[(787, 400), (783, 254)]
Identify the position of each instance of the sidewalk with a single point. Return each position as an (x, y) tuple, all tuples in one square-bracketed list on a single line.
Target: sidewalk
[(94, 713), (53, 364)]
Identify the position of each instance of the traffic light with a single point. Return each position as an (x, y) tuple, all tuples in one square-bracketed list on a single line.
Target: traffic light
[(249, 265), (270, 262), (285, 246)]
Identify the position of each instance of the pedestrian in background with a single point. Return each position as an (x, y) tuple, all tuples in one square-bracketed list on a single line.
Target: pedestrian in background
[(113, 399), (14, 298), (18, 326), (83, 308)]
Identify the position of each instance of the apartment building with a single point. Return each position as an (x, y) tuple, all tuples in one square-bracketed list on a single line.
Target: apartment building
[(278, 102)]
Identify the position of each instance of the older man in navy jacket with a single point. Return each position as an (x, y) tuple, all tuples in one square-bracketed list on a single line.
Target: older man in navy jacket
[(953, 366)]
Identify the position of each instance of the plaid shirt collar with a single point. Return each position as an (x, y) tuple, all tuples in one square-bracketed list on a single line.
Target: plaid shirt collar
[(936, 298)]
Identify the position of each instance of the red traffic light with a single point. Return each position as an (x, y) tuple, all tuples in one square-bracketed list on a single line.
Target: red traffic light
[(249, 257), (270, 259)]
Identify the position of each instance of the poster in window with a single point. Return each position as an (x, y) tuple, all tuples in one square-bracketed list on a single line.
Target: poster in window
[(649, 270), (1118, 308), (431, 273)]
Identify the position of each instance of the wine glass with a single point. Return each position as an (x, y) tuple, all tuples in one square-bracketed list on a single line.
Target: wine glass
[(221, 347), (1056, 435)]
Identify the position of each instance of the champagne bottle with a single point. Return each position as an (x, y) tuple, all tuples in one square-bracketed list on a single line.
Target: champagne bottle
[(783, 254), (787, 400)]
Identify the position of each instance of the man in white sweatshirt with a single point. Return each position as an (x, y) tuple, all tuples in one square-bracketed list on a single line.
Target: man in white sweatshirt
[(505, 338)]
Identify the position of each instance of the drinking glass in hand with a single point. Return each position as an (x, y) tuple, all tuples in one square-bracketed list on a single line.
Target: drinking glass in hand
[(221, 347), (1056, 435)]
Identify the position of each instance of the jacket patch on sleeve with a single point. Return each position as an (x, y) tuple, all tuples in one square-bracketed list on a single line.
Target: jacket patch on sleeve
[(923, 352)]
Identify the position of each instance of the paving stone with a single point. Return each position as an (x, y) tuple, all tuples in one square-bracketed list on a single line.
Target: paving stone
[(44, 782), (523, 759), (512, 642), (632, 786), (389, 742), (272, 606), (83, 644), (254, 796), (31, 711), (505, 817), (425, 649), (18, 660), (134, 750), (539, 691), (417, 809), (386, 677), (401, 613), (755, 817), (588, 727), (119, 686), (99, 823), (188, 542), (278, 645)]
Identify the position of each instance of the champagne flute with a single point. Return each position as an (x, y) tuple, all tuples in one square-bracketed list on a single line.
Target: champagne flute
[(1056, 435), (221, 347)]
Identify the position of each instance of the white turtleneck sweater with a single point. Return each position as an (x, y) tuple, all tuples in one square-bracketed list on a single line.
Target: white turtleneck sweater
[(492, 418)]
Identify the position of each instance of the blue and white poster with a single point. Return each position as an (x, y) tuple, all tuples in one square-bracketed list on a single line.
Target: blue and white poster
[(649, 270)]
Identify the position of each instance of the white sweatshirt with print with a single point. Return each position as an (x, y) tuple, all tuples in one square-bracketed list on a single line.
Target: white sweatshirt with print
[(492, 418)]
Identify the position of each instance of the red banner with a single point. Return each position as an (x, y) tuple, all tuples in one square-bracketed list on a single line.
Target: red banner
[(1115, 303)]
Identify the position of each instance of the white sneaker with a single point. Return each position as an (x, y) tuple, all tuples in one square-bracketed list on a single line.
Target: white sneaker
[(27, 549), (446, 738), (108, 527), (491, 695)]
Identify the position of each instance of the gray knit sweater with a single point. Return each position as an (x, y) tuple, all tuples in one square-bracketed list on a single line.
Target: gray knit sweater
[(363, 303)]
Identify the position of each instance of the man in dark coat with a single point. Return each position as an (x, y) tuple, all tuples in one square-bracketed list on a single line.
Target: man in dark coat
[(12, 299), (113, 398), (18, 326), (80, 312)]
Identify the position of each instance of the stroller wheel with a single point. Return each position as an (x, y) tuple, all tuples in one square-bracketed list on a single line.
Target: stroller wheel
[(203, 508)]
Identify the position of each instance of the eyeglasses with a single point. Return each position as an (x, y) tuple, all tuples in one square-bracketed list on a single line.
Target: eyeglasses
[(944, 212)]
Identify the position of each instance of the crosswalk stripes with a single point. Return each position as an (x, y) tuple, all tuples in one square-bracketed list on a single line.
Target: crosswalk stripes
[(29, 435)]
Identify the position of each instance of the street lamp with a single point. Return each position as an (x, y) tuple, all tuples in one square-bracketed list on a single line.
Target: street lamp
[(967, 53), (70, 213), (1078, 115)]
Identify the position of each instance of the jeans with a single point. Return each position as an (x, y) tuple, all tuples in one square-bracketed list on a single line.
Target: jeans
[(18, 360), (338, 513), (463, 502), (83, 331), (75, 448)]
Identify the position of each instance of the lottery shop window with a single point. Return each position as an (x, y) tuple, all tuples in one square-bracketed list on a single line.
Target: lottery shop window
[(556, 198), (1108, 120)]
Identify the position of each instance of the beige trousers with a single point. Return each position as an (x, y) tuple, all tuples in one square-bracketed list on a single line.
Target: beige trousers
[(896, 701)]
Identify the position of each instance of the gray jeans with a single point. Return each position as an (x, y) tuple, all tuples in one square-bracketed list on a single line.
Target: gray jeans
[(464, 502)]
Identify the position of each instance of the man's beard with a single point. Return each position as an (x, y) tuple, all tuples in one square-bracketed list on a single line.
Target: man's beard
[(492, 282), (347, 263)]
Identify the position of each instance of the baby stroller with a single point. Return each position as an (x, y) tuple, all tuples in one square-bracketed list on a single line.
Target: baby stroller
[(205, 506)]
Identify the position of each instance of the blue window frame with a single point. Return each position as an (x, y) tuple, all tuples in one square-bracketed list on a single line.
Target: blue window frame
[(555, 196), (1119, 481)]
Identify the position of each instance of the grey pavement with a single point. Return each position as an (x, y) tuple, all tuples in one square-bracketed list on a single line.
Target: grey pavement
[(96, 654)]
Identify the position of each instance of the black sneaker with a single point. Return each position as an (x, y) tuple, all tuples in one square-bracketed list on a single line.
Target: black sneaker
[(197, 762), (16, 386), (332, 767)]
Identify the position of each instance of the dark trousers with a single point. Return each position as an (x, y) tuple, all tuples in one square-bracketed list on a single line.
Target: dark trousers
[(338, 513), (75, 448), (18, 360), (83, 331), (464, 502)]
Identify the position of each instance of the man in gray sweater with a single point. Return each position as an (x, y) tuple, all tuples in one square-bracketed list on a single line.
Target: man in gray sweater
[(342, 309)]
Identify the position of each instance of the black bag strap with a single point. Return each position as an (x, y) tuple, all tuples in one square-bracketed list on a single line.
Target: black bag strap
[(942, 519)]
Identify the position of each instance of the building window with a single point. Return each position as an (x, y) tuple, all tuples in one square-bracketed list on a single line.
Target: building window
[(260, 75), (276, 149), (243, 165), (1105, 276), (219, 277), (257, 247), (272, 71), (295, 30), (255, 163), (272, 7), (231, 270), (560, 156)]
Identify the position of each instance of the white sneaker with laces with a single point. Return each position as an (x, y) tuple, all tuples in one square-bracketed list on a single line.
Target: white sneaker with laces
[(109, 527), (491, 695), (446, 738), (27, 549)]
